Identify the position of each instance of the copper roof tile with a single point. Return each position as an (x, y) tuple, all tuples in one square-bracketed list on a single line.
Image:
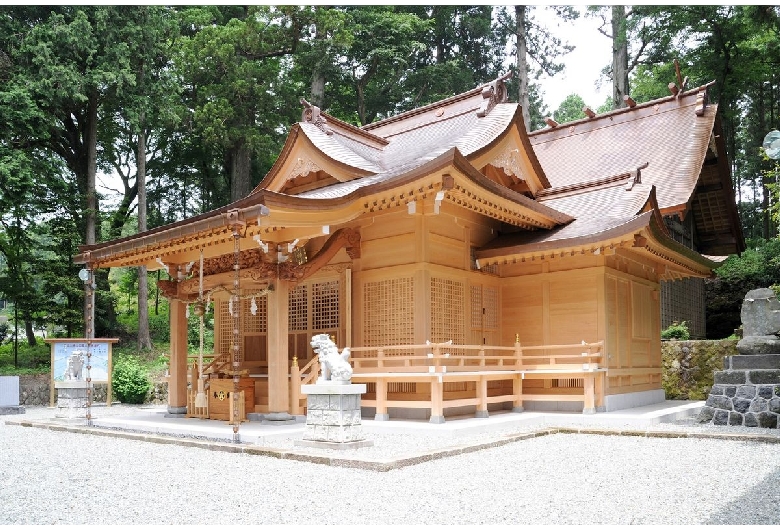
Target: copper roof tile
[(667, 134), (339, 148)]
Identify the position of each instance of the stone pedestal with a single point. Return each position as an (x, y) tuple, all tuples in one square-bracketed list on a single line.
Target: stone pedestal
[(9, 395), (72, 398), (746, 393), (333, 416)]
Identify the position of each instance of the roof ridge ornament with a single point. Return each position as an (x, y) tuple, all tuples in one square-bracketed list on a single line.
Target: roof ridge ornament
[(312, 114), (702, 100), (492, 94), (635, 176)]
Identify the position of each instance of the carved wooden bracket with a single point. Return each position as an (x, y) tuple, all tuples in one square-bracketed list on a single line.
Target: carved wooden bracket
[(343, 237)]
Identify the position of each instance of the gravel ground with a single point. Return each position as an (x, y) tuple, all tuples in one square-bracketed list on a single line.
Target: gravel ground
[(52, 477)]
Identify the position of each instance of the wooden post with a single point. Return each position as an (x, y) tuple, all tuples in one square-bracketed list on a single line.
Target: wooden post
[(517, 382), (295, 388), (600, 383), (278, 373), (589, 407), (482, 410), (437, 400), (177, 380), (381, 400), (517, 390)]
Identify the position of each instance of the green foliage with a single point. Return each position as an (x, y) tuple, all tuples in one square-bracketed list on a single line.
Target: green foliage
[(757, 267), (30, 359), (676, 331), (130, 381), (570, 109)]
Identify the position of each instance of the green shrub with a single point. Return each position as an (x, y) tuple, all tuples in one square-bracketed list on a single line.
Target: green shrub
[(130, 381), (35, 359), (677, 331)]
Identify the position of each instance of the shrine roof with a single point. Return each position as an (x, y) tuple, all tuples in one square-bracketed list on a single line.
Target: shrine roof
[(470, 122), (677, 137)]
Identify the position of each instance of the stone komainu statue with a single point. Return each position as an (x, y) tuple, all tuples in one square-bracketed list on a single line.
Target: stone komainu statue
[(334, 365)]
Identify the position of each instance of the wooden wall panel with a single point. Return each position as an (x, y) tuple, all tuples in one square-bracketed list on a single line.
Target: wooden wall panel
[(446, 251), (388, 252), (522, 311), (573, 309)]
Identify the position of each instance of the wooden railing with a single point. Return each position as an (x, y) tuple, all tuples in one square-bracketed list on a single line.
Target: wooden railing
[(437, 363)]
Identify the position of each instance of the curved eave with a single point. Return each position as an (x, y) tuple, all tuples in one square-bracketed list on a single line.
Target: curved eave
[(518, 123), (274, 216), (299, 140), (642, 234)]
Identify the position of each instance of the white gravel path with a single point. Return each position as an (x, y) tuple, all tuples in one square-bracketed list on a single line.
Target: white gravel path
[(50, 477)]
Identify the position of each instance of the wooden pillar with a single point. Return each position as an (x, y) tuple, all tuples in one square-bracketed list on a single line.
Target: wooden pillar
[(177, 380), (278, 372), (589, 382), (381, 400), (437, 400), (482, 404)]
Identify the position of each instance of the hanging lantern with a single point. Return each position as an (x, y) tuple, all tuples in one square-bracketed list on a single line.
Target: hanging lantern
[(253, 307)]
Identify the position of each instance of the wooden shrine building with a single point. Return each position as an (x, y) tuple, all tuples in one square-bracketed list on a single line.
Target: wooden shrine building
[(467, 264)]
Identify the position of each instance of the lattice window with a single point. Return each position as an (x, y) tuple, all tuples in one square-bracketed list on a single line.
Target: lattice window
[(484, 313), (225, 322), (254, 323), (476, 307), (447, 311), (389, 312), (490, 303), (325, 305), (684, 300), (299, 308)]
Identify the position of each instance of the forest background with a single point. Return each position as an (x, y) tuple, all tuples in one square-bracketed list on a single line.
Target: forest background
[(184, 110)]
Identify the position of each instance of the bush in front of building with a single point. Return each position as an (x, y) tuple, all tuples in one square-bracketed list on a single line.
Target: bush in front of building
[(130, 381)]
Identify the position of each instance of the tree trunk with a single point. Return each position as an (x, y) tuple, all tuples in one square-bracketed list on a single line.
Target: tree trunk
[(144, 340), (317, 74), (619, 57), (90, 237), (317, 88), (28, 329), (522, 65), (241, 172)]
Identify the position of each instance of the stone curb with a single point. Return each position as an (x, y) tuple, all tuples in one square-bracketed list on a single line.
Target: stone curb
[(382, 465)]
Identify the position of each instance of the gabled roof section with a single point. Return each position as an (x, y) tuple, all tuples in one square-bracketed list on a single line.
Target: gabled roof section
[(677, 136), (622, 214), (323, 152)]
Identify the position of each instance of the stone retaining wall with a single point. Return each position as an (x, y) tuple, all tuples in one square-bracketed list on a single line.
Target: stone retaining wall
[(34, 390), (689, 366)]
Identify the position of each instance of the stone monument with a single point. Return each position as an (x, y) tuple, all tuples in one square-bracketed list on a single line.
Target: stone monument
[(333, 403), (9, 395), (72, 390), (747, 391)]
